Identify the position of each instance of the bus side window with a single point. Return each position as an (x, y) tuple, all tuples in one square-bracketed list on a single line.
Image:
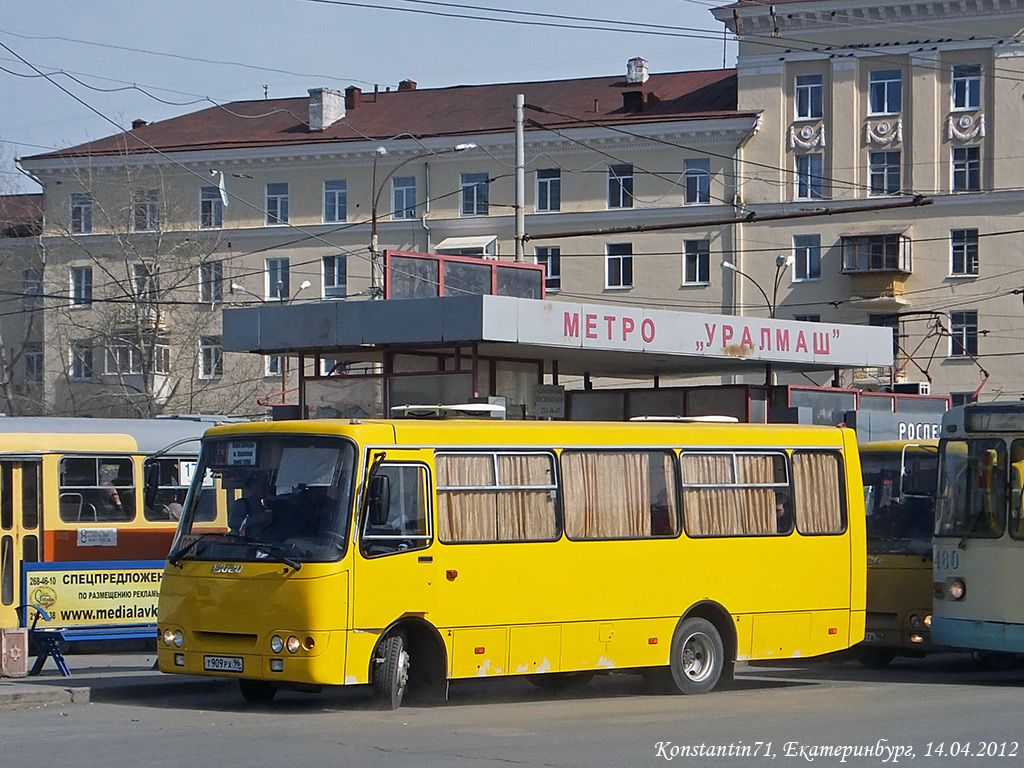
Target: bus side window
[(1017, 489), (405, 526)]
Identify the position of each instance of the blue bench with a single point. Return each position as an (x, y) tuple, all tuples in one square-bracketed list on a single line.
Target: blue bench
[(49, 639)]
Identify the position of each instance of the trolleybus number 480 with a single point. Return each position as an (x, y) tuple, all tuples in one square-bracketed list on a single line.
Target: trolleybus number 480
[(222, 663)]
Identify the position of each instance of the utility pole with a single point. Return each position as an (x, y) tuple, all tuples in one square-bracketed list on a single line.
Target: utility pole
[(520, 197)]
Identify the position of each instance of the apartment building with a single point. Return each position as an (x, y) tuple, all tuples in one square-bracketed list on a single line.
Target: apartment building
[(858, 166)]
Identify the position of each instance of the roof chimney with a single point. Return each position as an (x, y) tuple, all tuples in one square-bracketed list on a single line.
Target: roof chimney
[(326, 107), (138, 123), (636, 70), (353, 97), (407, 85)]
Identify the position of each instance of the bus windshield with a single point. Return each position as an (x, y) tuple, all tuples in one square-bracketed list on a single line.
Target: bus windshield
[(289, 499), (972, 491), (899, 495)]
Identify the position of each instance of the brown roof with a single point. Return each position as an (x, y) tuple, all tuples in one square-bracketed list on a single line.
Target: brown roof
[(458, 110), (21, 215)]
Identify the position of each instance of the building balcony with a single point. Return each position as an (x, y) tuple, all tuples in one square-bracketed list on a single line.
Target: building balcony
[(880, 291)]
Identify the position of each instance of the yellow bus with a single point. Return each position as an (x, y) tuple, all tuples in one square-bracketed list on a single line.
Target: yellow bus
[(900, 480), (404, 554), (70, 491)]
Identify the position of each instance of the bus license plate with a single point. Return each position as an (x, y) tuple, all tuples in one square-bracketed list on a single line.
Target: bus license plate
[(222, 663), (869, 637)]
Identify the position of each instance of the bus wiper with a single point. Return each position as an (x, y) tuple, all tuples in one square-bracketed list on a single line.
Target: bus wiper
[(273, 552), (175, 557)]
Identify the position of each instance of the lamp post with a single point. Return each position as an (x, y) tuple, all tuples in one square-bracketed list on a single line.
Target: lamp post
[(781, 262), (376, 268)]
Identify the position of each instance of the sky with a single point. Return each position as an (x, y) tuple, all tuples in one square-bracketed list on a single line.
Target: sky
[(108, 62)]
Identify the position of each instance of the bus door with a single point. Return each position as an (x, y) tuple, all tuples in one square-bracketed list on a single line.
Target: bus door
[(394, 571), (19, 531)]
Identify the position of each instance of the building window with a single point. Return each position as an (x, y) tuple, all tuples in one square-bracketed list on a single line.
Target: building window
[(81, 213), (34, 362), (278, 284), (697, 180), (884, 173), (277, 203), (962, 398), (211, 208), (807, 318), (273, 365), (211, 282), (144, 283), (475, 194), (335, 276), (876, 253), (809, 177), (549, 189), (81, 286), (619, 265), (80, 367), (335, 201), (124, 356), (696, 262), (211, 358), (966, 86), (620, 186), (809, 97), (404, 195), (885, 91), (807, 257), (963, 331), (551, 258), (31, 289), (964, 251), (146, 210), (966, 169)]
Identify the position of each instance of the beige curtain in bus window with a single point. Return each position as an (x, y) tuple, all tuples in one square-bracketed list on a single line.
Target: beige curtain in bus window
[(466, 515), (758, 504), (706, 510), (607, 494), (728, 511), (525, 514), (817, 502)]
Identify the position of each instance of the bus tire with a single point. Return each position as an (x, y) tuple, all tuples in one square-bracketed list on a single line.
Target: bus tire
[(391, 673), (876, 658), (698, 656), (257, 691)]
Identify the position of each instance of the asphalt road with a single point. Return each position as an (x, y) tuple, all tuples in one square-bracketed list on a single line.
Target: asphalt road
[(775, 715)]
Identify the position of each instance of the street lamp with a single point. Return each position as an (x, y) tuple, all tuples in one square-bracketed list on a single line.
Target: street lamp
[(781, 263), (376, 268)]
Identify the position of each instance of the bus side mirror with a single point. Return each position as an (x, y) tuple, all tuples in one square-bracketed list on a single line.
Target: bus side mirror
[(151, 474), (380, 499)]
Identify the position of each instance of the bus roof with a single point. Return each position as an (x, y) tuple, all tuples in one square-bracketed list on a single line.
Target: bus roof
[(146, 435)]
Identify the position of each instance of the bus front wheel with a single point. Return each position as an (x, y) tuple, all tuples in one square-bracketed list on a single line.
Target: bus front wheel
[(698, 656), (391, 673), (257, 691)]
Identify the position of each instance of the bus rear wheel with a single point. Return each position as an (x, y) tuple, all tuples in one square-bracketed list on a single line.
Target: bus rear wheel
[(698, 656), (257, 691), (391, 673)]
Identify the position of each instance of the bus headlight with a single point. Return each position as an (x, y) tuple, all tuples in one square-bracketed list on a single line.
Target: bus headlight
[(928, 621), (168, 637), (276, 644), (915, 621), (956, 588), (293, 644), (179, 638)]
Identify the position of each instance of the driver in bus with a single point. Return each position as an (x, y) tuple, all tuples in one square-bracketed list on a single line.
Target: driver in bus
[(248, 509)]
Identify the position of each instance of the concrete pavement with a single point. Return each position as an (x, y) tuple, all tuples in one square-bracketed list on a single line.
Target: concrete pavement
[(98, 677)]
